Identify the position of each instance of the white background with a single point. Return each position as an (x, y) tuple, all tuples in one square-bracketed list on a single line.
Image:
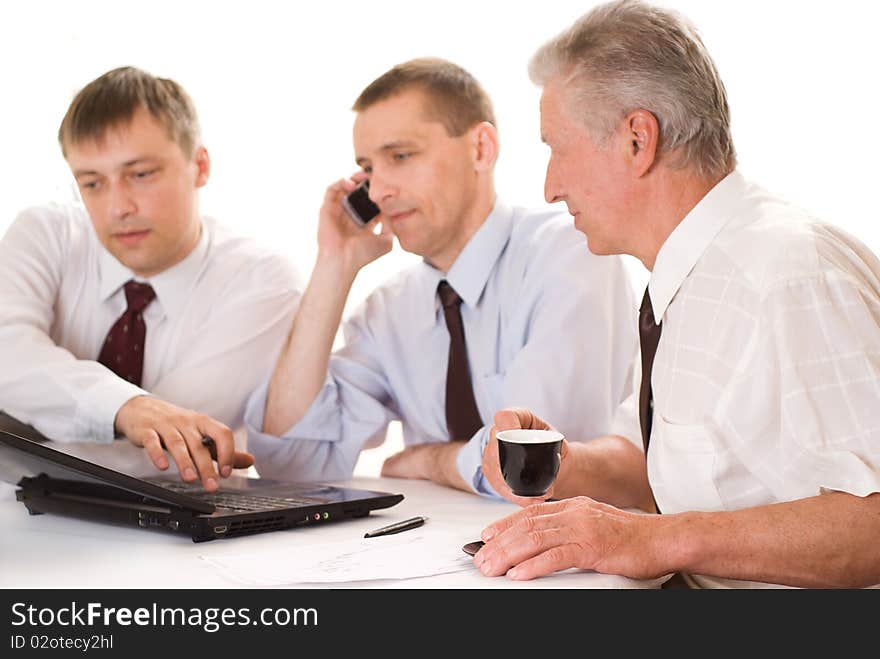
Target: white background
[(274, 81)]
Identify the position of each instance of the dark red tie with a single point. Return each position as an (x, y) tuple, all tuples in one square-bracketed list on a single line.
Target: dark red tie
[(462, 416), (649, 337), (123, 349)]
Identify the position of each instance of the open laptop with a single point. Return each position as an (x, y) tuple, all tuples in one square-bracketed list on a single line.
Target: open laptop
[(50, 481)]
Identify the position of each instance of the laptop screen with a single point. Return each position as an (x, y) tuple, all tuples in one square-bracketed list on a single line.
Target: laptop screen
[(22, 458)]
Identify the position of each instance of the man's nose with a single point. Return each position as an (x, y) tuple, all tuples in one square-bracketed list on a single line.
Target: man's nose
[(551, 189), (382, 188), (121, 202)]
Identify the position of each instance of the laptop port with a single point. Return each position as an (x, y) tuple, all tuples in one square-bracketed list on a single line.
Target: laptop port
[(220, 529)]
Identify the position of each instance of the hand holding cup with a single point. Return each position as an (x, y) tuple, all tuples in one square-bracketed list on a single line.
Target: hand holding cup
[(514, 418), (529, 460)]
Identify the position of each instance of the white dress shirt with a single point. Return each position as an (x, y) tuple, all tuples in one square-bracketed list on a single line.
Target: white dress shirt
[(548, 326), (217, 323), (767, 375)]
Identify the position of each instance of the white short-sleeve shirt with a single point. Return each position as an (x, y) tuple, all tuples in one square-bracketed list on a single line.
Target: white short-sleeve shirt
[(766, 380)]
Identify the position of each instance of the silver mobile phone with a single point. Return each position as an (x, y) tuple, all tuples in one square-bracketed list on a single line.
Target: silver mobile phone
[(358, 204)]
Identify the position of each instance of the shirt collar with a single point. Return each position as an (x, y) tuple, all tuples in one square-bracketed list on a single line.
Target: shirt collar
[(470, 272), (172, 286), (690, 239)]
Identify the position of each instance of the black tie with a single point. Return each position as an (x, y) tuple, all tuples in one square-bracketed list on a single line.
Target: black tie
[(462, 416), (649, 337)]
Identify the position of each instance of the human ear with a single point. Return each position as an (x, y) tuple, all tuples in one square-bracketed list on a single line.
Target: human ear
[(642, 132), (484, 139), (203, 165)]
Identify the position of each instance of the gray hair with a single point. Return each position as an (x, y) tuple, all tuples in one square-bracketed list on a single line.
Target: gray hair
[(627, 55)]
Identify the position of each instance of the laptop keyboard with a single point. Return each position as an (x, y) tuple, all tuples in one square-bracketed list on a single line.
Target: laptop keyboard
[(236, 500), (249, 502)]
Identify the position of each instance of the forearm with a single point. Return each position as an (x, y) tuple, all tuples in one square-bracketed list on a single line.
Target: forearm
[(823, 541), (442, 467), (65, 398), (302, 366), (433, 462), (609, 469)]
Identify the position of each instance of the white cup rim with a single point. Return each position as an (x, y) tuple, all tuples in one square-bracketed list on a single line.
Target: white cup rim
[(521, 436)]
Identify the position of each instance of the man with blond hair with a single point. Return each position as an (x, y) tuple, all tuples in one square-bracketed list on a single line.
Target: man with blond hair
[(135, 317)]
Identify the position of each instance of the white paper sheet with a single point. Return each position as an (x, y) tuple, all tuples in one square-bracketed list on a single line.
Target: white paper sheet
[(404, 556)]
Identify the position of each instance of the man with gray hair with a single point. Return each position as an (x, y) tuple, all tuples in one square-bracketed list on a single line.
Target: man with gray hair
[(759, 334)]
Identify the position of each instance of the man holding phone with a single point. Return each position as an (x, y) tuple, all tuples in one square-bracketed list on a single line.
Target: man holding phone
[(496, 314), (358, 204)]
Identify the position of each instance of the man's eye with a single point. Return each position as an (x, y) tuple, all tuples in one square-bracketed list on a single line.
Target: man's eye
[(89, 185), (144, 173), (401, 156)]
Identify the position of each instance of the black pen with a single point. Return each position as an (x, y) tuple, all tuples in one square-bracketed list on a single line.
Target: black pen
[(397, 527)]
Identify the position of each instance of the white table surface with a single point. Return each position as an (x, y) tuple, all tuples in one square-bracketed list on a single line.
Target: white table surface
[(53, 551)]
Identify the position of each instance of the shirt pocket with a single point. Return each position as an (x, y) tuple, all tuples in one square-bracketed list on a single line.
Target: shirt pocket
[(681, 467)]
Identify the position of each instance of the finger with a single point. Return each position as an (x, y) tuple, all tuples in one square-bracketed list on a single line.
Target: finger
[(500, 526), (337, 190), (521, 418), (526, 546), (531, 536), (200, 455), (507, 419), (242, 460), (492, 468), (358, 176), (223, 441), (149, 440), (175, 444), (560, 557), (490, 453)]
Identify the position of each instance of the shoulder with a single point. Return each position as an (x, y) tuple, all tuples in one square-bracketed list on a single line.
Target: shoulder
[(392, 306), (399, 289), (778, 259), (777, 243), (540, 228), (545, 245), (245, 261), (53, 217), (63, 228)]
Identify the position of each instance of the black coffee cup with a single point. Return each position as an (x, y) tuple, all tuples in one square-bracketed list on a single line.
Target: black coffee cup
[(529, 460)]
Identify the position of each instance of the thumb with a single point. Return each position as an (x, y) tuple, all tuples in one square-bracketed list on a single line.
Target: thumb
[(508, 419), (514, 418)]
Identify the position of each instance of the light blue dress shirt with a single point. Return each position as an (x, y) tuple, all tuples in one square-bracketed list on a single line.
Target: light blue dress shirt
[(548, 326)]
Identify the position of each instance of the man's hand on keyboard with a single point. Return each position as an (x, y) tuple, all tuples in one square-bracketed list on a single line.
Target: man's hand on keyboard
[(158, 426)]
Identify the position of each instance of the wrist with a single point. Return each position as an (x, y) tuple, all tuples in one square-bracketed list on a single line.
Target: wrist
[(674, 541), (440, 465), (336, 266), (570, 471), (120, 422)]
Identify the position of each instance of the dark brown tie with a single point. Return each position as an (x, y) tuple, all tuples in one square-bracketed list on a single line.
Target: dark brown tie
[(649, 337), (123, 349), (462, 416)]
